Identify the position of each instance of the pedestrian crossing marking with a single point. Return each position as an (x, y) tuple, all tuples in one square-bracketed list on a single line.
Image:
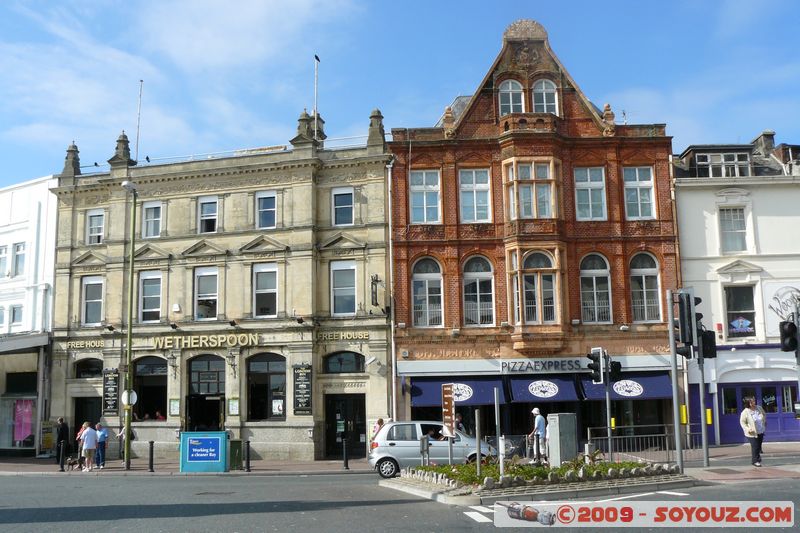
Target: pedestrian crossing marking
[(478, 517), (481, 509), (670, 493)]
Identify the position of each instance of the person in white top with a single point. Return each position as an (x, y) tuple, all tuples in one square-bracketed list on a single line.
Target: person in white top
[(754, 423), (89, 442)]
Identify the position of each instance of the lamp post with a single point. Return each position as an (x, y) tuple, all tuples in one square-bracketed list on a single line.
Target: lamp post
[(131, 188)]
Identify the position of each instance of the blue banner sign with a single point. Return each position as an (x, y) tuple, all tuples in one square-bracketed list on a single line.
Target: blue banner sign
[(204, 451)]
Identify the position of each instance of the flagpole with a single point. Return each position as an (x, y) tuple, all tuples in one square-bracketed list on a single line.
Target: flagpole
[(316, 69), (138, 121)]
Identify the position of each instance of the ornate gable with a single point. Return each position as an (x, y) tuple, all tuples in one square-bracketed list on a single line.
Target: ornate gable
[(263, 244), (341, 241), (90, 259), (150, 252)]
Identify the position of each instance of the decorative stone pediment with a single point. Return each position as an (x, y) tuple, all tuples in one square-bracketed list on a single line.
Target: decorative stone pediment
[(341, 241), (426, 161), (150, 252), (262, 244), (201, 248), (739, 267), (90, 259)]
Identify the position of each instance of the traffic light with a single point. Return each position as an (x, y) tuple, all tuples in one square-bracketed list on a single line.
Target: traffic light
[(709, 340), (686, 350), (687, 317), (615, 374), (789, 339), (596, 366)]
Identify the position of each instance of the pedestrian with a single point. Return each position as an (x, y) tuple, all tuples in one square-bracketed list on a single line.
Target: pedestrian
[(78, 441), (460, 423), (102, 439), (377, 427), (540, 431), (62, 439), (754, 423), (89, 443)]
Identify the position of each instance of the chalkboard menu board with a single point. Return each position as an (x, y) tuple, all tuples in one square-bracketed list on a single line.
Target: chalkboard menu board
[(302, 389), (110, 391)]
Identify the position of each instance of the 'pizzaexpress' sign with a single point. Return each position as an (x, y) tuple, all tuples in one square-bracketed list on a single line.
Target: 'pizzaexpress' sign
[(532, 366)]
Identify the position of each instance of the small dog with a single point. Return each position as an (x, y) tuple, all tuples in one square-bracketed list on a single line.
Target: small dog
[(76, 462)]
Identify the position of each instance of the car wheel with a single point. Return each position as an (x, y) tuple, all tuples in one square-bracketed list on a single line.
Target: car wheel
[(387, 468)]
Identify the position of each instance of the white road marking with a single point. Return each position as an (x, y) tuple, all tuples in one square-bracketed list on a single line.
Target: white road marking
[(626, 497), (481, 509), (478, 517), (670, 493)]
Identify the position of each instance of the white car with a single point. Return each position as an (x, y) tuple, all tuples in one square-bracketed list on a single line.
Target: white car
[(397, 445)]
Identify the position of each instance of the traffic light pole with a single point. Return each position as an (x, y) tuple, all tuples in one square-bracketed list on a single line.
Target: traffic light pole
[(607, 369), (703, 426), (674, 375)]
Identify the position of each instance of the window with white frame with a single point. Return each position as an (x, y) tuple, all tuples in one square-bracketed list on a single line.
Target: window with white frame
[(207, 214), (205, 293), (515, 296), (424, 193), (478, 292), (95, 222), (595, 290), (530, 186), (266, 210), (151, 219), (16, 315), (719, 165), (150, 296), (544, 97), (638, 193), (342, 206), (343, 288), (645, 301), (590, 193), (92, 295), (2, 316), (474, 186), (733, 229), (265, 290), (511, 100), (538, 289), (740, 311), (426, 293), (3, 262), (19, 259)]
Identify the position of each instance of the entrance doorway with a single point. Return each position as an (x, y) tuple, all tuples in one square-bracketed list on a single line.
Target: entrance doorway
[(87, 409), (205, 413), (206, 400), (345, 413)]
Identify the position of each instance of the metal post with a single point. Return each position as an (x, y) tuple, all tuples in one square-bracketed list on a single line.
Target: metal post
[(501, 452), (478, 443), (344, 451), (61, 455), (450, 450), (674, 375), (497, 413), (703, 426), (607, 369), (129, 332), (150, 460), (247, 456)]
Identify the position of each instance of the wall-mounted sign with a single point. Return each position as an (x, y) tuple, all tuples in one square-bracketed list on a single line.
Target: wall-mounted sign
[(448, 407), (206, 341), (302, 389), (343, 336), (543, 388), (628, 387), (94, 343), (533, 366), (110, 391)]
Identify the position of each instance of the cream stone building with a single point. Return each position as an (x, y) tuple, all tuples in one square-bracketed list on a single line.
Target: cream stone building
[(260, 302)]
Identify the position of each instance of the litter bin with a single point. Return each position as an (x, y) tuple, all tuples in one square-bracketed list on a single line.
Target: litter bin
[(236, 454)]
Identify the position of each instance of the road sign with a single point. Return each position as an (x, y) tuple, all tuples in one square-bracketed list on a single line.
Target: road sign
[(129, 397), (448, 407)]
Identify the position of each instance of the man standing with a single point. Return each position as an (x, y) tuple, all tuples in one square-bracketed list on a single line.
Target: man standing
[(102, 439), (89, 445), (62, 439), (538, 434)]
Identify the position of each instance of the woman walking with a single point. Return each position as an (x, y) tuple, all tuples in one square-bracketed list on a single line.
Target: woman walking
[(754, 423)]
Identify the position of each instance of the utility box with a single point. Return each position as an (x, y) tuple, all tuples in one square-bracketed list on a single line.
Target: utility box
[(235, 454), (563, 441)]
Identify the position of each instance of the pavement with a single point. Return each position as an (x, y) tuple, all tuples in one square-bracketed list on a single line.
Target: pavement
[(29, 466), (731, 464)]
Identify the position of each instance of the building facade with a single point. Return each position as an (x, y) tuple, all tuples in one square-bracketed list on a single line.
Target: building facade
[(27, 249), (528, 227), (259, 294), (737, 210)]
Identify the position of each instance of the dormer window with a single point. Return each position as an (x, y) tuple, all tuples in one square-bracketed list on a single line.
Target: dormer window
[(544, 97), (722, 165), (511, 100)]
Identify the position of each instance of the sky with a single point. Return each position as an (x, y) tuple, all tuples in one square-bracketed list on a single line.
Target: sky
[(227, 75)]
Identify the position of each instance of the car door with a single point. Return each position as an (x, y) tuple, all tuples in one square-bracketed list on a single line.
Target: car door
[(402, 443), (438, 444)]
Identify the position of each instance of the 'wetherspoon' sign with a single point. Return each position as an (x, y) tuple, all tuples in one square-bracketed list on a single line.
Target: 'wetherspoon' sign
[(206, 341)]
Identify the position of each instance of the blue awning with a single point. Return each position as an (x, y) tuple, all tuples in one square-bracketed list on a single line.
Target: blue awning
[(632, 386), (427, 392), (535, 388)]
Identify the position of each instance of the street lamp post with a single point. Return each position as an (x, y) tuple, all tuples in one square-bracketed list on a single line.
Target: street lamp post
[(131, 188)]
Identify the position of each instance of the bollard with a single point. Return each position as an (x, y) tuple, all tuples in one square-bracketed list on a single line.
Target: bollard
[(61, 455), (537, 449), (501, 453), (344, 452), (150, 461), (478, 443), (247, 456)]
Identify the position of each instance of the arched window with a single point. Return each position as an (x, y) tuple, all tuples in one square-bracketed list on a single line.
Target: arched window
[(478, 293), (343, 362), (266, 387), (644, 289), (538, 282), (544, 97), (150, 384), (89, 368), (427, 293), (511, 100), (595, 290)]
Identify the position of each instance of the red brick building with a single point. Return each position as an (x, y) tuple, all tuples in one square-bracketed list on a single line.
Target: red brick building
[(528, 227)]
